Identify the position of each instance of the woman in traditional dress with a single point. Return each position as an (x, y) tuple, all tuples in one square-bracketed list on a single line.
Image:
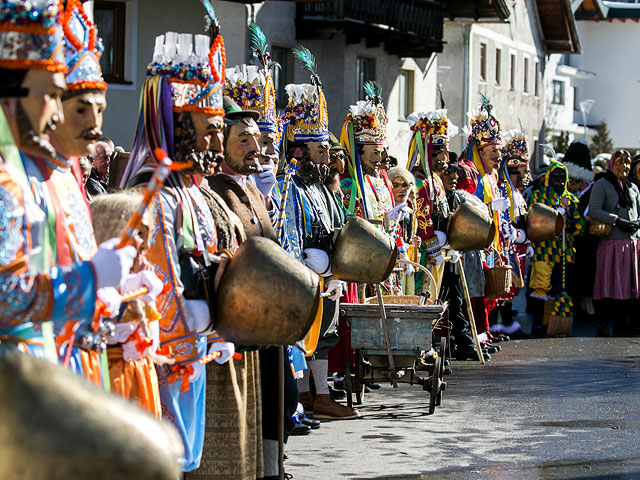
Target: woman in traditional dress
[(615, 201)]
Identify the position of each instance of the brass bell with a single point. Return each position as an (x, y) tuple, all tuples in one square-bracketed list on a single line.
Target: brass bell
[(470, 229), (265, 296), (543, 222), (57, 426), (363, 253)]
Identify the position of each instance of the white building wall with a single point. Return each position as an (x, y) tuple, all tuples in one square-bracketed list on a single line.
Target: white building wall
[(336, 63), (520, 37), (610, 49)]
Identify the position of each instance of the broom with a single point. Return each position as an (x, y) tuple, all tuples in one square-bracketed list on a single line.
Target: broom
[(561, 318)]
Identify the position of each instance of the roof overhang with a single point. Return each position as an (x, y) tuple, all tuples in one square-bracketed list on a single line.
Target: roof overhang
[(476, 10), (558, 26)]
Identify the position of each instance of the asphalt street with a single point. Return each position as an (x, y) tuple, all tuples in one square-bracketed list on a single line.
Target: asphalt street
[(562, 408)]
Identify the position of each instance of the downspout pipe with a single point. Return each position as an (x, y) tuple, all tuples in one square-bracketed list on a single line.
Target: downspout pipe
[(466, 33)]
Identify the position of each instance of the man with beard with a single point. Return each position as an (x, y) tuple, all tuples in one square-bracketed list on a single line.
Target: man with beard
[(185, 236), (98, 182), (428, 160), (54, 182), (310, 222), (369, 194), (33, 289)]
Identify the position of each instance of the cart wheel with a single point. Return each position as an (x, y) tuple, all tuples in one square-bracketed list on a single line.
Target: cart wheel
[(435, 387)]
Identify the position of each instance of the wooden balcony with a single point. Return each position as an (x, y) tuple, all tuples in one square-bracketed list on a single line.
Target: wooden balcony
[(408, 28)]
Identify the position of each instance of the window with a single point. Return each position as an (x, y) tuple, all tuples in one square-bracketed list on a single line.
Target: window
[(498, 65), (558, 93), (282, 75), (512, 81), (525, 73), (483, 62), (365, 71), (110, 18), (405, 93), (536, 80)]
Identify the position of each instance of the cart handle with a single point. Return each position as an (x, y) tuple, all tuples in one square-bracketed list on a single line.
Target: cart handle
[(425, 270)]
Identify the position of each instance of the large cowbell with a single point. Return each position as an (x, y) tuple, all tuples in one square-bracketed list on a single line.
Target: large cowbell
[(543, 222), (55, 425), (470, 229), (266, 296), (363, 253)]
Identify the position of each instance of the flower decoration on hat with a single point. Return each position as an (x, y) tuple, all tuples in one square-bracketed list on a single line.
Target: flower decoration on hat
[(31, 35), (305, 117), (83, 49), (434, 126), (515, 150), (368, 117), (484, 126), (251, 86)]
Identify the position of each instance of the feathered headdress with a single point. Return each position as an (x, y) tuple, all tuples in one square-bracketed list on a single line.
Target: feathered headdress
[(515, 151), (251, 87), (485, 127), (305, 117)]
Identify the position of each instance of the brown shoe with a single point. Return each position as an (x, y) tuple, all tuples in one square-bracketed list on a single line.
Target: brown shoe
[(326, 409), (306, 399)]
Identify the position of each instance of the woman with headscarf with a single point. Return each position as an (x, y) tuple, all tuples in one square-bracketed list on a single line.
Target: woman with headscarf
[(403, 185), (615, 201)]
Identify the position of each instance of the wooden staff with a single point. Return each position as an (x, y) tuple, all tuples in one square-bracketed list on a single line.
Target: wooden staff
[(385, 330), (279, 228), (472, 321), (281, 412)]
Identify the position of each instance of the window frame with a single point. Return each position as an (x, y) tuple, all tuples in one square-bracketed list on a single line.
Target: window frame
[(525, 74), (560, 91), (512, 72), (119, 39), (498, 69), (360, 75), (483, 62), (405, 102), (536, 80), (283, 56)]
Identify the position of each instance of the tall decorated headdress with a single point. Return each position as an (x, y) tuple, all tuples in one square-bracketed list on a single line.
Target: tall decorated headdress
[(186, 75), (251, 86), (83, 49), (430, 129), (305, 117), (31, 35), (366, 124), (515, 151), (368, 116)]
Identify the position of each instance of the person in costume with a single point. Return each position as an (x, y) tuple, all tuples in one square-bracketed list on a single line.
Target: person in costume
[(429, 156), (40, 293), (182, 114), (311, 218), (451, 291), (132, 350), (366, 186), (55, 182), (514, 178), (615, 201), (550, 254), (484, 149)]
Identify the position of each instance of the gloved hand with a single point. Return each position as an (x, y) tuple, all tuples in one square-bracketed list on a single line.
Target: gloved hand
[(407, 267), (144, 278), (529, 252), (398, 212), (454, 256), (317, 260), (521, 236), (627, 226), (111, 265), (200, 313), (442, 238), (226, 349), (111, 299), (265, 180), (500, 204), (334, 288), (509, 232), (437, 259)]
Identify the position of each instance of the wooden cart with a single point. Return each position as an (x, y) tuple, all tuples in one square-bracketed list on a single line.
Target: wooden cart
[(397, 342)]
